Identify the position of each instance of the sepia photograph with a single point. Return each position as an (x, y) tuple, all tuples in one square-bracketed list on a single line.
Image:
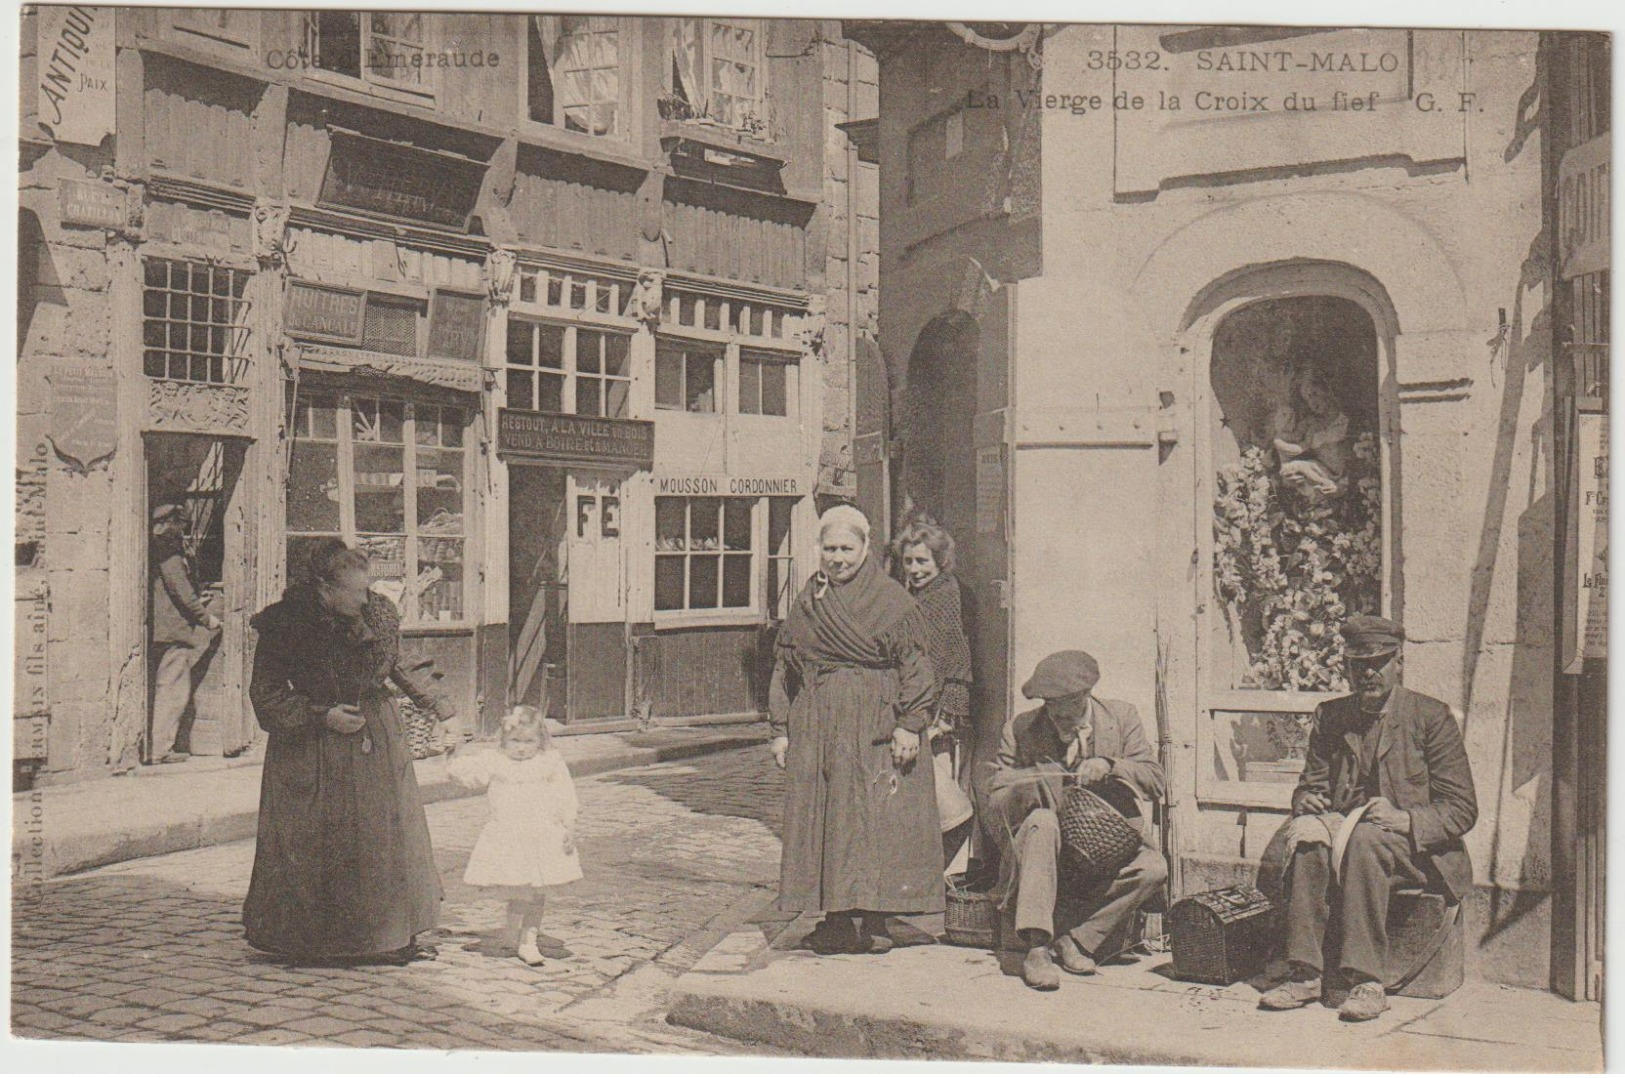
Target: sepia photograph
[(754, 538)]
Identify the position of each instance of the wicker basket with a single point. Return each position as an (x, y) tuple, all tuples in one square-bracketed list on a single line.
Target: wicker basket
[(972, 919)]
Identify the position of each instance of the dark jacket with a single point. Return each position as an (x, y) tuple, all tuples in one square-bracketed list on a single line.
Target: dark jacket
[(1422, 768), (1030, 769), (178, 615)]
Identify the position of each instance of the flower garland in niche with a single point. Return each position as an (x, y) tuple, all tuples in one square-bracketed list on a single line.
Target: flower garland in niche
[(1291, 569)]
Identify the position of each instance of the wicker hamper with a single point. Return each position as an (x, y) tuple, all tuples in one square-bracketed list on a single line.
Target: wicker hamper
[(1223, 936), (972, 919)]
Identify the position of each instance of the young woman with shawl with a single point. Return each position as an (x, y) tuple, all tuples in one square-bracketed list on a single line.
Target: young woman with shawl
[(343, 868), (852, 692)]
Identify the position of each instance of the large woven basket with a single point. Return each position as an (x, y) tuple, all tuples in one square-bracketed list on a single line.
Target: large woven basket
[(972, 919), (1098, 839), (420, 730)]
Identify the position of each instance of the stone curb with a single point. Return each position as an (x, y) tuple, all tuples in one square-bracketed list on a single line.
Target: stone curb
[(70, 854)]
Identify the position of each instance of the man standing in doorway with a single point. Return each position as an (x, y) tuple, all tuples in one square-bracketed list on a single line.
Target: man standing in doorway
[(181, 631), (1397, 757)]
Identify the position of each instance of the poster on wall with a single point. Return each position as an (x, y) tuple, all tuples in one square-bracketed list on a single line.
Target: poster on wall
[(1588, 631)]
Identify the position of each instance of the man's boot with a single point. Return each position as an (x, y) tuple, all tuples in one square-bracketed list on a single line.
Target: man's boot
[(1037, 969), (1302, 989), (1366, 1001), (1072, 957)]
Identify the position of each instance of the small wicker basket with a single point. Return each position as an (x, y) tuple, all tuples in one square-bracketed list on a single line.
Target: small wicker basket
[(972, 918)]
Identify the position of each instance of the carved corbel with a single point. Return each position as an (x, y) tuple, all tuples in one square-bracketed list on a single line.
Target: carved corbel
[(813, 324), (271, 233), (649, 298), (501, 266)]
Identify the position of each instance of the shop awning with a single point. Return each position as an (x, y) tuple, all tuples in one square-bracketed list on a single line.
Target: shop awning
[(447, 374)]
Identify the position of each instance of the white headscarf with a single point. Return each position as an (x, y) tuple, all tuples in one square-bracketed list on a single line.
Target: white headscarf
[(850, 518)]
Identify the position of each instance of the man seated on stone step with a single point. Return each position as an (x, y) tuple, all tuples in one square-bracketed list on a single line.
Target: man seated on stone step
[(1074, 736), (1399, 754)]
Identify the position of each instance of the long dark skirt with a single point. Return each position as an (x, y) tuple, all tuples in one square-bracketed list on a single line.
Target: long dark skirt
[(343, 866), (858, 833)]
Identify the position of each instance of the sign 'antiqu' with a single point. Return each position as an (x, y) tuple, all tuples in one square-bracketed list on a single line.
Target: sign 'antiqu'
[(76, 100), (560, 438)]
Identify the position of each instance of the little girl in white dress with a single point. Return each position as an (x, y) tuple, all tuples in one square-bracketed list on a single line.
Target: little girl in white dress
[(529, 841)]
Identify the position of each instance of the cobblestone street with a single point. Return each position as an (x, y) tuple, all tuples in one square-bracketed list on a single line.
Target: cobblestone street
[(675, 854)]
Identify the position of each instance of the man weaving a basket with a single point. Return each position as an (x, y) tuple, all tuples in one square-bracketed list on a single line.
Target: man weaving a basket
[(1063, 793)]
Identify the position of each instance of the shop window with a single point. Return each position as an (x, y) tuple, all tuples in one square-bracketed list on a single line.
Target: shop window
[(194, 325), (703, 553), (568, 369), (1297, 545), (767, 383), (380, 47), (686, 376), (389, 476), (573, 72), (717, 74)]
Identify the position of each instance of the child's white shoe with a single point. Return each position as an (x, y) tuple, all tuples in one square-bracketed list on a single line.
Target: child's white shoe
[(528, 954)]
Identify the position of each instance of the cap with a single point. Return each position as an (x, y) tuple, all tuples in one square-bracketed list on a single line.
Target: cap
[(1366, 636), (1065, 673), (164, 512)]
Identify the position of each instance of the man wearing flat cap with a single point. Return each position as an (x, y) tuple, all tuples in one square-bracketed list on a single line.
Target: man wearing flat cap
[(1399, 755), (1074, 737)]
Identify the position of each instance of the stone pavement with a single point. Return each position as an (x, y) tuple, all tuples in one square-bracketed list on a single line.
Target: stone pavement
[(955, 1003), (152, 950), (61, 829)]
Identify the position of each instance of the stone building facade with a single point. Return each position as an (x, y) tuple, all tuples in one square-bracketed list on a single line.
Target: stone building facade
[(1200, 339), (554, 315)]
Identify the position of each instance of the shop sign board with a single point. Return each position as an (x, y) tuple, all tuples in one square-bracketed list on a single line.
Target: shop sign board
[(1587, 629), (559, 438), (325, 313), (456, 324), (732, 486), (400, 181), (76, 84)]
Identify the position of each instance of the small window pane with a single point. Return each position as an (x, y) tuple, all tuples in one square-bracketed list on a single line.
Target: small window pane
[(619, 393), (380, 492), (318, 417), (521, 344), (736, 523), (550, 346), (669, 378), (426, 424), (773, 388), (589, 396), (589, 351), (750, 387), (313, 487), (521, 390), (527, 288), (391, 421), (440, 492), (550, 393), (779, 512), (704, 523), (451, 428), (736, 580), (671, 524), (703, 574), (699, 388), (669, 582), (616, 348), (364, 419), (440, 570)]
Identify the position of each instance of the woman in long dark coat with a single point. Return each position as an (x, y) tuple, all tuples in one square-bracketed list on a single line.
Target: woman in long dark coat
[(852, 691), (343, 867)]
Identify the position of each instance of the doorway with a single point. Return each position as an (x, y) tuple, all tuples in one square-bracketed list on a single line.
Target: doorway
[(199, 476), (538, 589)]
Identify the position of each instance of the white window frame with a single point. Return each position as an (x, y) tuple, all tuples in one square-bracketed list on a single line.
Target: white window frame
[(790, 362), (626, 42), (721, 354), (696, 81), (570, 371), (424, 91), (751, 611)]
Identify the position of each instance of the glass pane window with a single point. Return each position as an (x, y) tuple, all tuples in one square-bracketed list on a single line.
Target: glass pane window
[(766, 382), (716, 73), (573, 72), (686, 376), (781, 562), (704, 553), (402, 495), (388, 47), (603, 373), (542, 358), (195, 322)]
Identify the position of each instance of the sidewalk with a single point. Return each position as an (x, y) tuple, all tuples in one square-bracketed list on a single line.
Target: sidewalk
[(954, 1003), (62, 829)]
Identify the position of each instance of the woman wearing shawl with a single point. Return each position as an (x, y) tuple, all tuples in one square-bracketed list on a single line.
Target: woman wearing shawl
[(343, 868), (925, 551), (852, 692)]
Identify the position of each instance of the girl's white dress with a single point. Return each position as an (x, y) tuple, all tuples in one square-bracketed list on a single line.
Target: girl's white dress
[(533, 806)]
